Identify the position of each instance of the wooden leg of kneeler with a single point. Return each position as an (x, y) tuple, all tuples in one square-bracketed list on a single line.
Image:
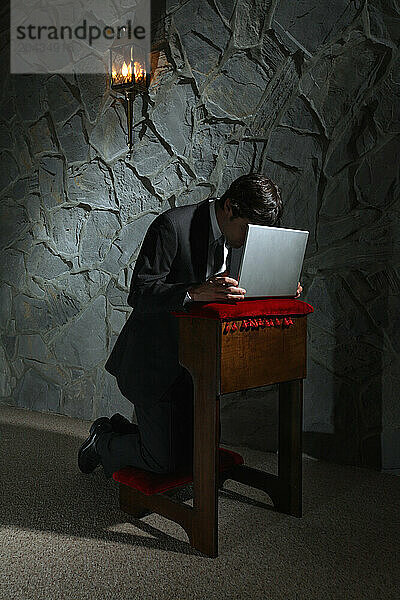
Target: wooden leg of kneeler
[(199, 340), (204, 531), (130, 502), (290, 446)]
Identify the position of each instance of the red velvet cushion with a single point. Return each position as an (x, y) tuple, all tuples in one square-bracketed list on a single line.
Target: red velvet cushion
[(246, 308), (154, 483)]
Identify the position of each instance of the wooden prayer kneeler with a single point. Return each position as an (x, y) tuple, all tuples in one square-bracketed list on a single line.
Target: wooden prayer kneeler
[(227, 348)]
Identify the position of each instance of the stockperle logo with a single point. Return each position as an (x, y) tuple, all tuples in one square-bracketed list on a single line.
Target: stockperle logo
[(75, 36)]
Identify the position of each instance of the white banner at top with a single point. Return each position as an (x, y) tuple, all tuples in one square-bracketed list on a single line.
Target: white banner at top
[(74, 36)]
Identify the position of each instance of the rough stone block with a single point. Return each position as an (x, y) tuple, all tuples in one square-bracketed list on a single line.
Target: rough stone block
[(200, 18), (52, 372), (172, 117), (384, 20), (337, 311), (148, 155), (117, 320), (42, 262), (34, 392), (41, 139), (202, 58), (9, 343), (65, 229), (164, 73), (72, 140), (112, 262), (82, 287), (9, 169), (116, 296), (207, 143), (377, 175), (13, 222), (92, 88), (51, 181), (5, 137), (28, 98), (387, 112), (325, 395), (384, 313), (5, 304), (25, 186), (238, 88), (6, 382), (336, 200), (299, 117), (60, 100), (91, 184), (194, 194), (331, 231), (32, 346), (169, 181), (32, 206), (312, 23), (132, 196), (97, 235), (109, 134), (12, 268), (78, 397), (83, 342), (251, 17), (131, 236), (32, 314), (62, 306), (21, 151), (235, 160), (328, 87), (226, 8), (271, 52), (279, 93), (296, 169)]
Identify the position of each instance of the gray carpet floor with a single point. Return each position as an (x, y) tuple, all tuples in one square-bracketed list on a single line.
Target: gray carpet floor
[(64, 537)]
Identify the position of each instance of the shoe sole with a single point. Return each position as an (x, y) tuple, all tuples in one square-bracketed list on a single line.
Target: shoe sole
[(89, 443)]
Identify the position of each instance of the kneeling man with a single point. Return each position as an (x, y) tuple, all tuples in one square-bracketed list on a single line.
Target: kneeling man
[(184, 258)]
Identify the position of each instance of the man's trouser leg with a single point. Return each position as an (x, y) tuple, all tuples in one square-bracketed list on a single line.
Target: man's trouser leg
[(164, 442)]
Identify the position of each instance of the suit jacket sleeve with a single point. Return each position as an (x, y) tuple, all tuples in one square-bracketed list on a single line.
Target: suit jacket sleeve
[(150, 290)]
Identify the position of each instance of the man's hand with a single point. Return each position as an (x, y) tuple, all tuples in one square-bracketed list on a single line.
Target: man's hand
[(217, 288), (299, 290)]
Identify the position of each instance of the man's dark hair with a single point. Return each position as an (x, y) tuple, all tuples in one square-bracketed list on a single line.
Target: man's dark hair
[(254, 197)]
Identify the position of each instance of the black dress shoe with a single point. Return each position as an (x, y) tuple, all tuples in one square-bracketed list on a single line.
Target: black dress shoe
[(96, 422), (121, 425), (88, 458)]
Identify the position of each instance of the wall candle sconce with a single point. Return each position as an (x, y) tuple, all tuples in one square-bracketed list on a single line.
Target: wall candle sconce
[(129, 74)]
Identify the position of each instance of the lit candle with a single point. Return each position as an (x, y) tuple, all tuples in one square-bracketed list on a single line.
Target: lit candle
[(124, 70)]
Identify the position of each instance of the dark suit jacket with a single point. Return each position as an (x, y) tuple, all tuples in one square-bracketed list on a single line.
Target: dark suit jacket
[(173, 257)]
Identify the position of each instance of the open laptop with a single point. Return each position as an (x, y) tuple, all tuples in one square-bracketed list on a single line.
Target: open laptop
[(270, 261)]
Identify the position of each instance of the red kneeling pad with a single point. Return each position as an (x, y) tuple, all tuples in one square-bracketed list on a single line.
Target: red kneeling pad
[(153, 483), (240, 309)]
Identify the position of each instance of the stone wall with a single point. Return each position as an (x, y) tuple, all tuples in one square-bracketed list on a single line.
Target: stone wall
[(305, 92)]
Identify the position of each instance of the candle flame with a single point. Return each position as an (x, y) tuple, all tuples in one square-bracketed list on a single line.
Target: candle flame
[(124, 75), (125, 70), (139, 71)]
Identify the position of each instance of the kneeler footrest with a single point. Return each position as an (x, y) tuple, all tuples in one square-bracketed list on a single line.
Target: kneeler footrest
[(154, 483)]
